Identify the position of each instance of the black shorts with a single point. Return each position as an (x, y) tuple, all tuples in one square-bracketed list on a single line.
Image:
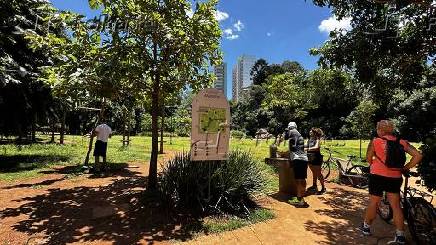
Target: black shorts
[(379, 184), (315, 158), (300, 169), (100, 148)]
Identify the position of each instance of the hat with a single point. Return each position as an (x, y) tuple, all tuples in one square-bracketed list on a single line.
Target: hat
[(292, 125)]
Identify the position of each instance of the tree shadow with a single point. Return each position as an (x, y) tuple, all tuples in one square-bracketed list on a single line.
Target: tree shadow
[(113, 169), (345, 212), (18, 163), (119, 213), (27, 185)]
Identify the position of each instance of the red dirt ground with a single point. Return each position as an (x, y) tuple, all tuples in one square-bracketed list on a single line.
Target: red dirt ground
[(55, 209)]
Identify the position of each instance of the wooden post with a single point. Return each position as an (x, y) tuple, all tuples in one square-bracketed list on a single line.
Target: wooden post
[(161, 151), (52, 123), (124, 133), (62, 133)]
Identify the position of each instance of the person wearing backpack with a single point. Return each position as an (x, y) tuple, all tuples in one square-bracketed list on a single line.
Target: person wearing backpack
[(386, 155)]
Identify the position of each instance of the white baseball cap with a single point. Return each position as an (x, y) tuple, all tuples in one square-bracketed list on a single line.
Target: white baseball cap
[(292, 125)]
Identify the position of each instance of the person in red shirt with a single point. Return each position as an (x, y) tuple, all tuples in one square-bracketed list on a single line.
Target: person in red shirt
[(384, 179)]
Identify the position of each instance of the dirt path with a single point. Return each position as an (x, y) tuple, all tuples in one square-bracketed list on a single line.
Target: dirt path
[(55, 209)]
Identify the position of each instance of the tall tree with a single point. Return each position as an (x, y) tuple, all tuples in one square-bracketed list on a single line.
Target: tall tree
[(25, 100), (259, 72), (389, 46), (168, 49), (287, 99)]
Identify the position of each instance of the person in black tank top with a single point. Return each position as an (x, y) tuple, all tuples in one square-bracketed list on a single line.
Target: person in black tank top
[(315, 159)]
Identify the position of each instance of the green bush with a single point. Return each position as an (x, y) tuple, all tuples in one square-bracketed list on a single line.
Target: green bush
[(238, 134), (427, 168), (186, 184)]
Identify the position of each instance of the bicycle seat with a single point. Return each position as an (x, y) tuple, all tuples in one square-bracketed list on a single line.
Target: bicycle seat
[(352, 156)]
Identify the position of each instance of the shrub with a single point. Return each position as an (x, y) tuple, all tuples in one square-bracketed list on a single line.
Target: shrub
[(238, 134), (186, 184), (427, 168)]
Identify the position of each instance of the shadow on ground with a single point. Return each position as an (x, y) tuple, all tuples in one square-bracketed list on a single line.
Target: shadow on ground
[(118, 212), (346, 209), (18, 163)]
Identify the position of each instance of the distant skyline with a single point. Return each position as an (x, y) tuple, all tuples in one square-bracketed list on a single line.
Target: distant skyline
[(275, 30)]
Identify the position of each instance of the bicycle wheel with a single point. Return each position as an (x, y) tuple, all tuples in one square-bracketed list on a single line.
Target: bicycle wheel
[(325, 169), (358, 176), (421, 219), (384, 210)]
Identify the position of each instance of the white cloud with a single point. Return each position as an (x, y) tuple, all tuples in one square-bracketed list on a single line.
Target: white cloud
[(228, 34), (238, 26), (332, 24), (268, 34), (233, 37), (228, 31), (190, 13), (220, 16)]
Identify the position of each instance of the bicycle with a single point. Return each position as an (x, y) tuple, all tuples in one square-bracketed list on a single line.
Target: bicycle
[(353, 174), (349, 173), (327, 164), (418, 212)]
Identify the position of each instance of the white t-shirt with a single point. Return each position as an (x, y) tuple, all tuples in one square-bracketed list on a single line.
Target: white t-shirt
[(103, 132)]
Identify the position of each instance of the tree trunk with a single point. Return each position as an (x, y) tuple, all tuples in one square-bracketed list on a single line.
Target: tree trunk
[(124, 133), (52, 124), (62, 133), (161, 151), (152, 173), (152, 176), (128, 134), (33, 131)]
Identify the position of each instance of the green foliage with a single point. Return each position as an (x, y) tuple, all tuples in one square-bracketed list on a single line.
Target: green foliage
[(25, 100), (361, 120), (248, 114), (286, 99), (212, 187), (415, 112), (236, 134), (332, 92), (221, 224), (427, 168)]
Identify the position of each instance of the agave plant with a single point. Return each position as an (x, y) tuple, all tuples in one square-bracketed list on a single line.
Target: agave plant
[(224, 187)]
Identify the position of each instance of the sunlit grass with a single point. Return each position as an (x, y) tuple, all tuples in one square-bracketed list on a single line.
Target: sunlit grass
[(28, 160)]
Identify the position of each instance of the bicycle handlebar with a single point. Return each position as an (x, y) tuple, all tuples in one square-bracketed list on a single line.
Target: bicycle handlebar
[(410, 174)]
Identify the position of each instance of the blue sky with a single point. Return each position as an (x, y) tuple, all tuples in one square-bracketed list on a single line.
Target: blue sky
[(275, 30)]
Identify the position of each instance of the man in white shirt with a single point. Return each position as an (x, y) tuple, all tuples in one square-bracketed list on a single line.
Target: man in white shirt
[(103, 133)]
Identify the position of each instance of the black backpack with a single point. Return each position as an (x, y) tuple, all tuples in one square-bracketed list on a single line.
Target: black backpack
[(395, 154)]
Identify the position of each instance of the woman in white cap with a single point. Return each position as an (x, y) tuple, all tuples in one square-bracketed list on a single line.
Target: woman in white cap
[(299, 162)]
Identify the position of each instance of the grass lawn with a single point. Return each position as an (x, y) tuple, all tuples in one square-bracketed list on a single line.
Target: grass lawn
[(25, 161)]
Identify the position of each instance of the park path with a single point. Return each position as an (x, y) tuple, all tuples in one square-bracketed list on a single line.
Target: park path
[(57, 209)]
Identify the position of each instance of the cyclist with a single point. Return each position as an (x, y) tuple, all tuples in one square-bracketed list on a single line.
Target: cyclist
[(315, 159), (385, 179), (299, 162)]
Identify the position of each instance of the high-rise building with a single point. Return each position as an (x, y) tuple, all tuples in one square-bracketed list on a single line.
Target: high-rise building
[(235, 83), (220, 72), (242, 79)]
